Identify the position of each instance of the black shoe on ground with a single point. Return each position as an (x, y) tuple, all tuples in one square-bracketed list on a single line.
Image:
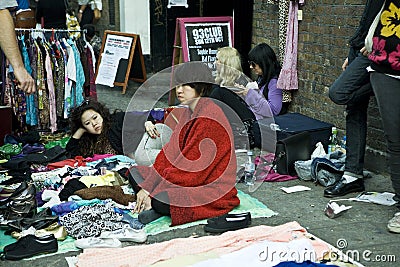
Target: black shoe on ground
[(231, 215), (29, 246), (341, 188), (225, 223)]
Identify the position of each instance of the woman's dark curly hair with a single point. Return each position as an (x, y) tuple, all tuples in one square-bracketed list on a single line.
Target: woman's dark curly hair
[(91, 143)]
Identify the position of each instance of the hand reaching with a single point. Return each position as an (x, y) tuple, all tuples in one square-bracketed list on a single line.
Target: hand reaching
[(25, 81), (143, 201)]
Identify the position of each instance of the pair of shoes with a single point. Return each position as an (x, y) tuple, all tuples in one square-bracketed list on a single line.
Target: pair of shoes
[(58, 230), (341, 188), (15, 193), (55, 229), (147, 216), (5, 193), (97, 242), (126, 234), (228, 222), (394, 224), (29, 246), (39, 221), (22, 203)]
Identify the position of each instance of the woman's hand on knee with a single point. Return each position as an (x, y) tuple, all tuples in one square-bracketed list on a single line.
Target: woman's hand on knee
[(143, 201), (151, 129)]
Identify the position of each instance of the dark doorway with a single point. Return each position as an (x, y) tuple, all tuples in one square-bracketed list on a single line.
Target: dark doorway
[(163, 22), (242, 11)]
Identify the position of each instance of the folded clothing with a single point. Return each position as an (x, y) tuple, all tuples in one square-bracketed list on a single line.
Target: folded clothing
[(104, 192)]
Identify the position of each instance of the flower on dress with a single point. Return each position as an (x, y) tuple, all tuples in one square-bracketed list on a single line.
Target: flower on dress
[(379, 53), (390, 20), (394, 58)]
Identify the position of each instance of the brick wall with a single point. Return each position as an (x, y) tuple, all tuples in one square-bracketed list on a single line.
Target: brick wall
[(323, 35)]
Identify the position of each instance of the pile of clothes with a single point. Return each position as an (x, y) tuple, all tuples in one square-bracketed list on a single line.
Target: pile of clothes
[(46, 196)]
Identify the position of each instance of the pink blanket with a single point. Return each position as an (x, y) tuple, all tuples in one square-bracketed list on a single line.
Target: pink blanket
[(143, 255)]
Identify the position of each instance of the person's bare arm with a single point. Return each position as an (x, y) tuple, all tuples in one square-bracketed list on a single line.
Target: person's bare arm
[(8, 44), (345, 63), (80, 12)]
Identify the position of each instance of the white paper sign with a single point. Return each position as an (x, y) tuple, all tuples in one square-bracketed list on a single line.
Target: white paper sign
[(115, 48)]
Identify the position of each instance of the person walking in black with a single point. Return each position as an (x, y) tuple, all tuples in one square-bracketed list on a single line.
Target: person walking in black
[(353, 89)]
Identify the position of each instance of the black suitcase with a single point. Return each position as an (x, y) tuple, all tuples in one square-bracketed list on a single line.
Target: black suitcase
[(294, 123)]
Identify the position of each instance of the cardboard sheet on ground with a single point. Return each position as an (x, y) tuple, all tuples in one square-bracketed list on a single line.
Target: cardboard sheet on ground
[(247, 203)]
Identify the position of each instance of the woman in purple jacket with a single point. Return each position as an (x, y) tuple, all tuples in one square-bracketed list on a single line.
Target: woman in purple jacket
[(263, 96)]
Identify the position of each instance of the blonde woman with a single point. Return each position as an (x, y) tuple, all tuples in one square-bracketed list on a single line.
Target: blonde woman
[(229, 67), (230, 79)]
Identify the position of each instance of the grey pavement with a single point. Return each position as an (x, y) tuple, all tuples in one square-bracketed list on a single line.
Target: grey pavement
[(359, 232)]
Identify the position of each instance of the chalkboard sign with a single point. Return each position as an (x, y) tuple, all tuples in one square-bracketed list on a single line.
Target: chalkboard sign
[(120, 59), (198, 39)]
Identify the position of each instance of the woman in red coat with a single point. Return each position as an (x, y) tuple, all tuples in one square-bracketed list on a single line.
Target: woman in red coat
[(193, 177)]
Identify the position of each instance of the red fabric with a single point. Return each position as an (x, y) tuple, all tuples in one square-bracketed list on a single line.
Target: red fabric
[(172, 116), (197, 168), (75, 162)]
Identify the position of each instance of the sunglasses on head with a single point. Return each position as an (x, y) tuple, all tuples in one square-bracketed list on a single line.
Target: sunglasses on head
[(252, 64)]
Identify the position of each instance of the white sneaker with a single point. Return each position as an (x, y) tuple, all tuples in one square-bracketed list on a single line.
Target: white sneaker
[(394, 223), (126, 234), (97, 242)]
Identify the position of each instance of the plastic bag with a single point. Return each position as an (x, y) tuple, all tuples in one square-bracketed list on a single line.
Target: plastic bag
[(303, 167), (96, 15), (319, 151)]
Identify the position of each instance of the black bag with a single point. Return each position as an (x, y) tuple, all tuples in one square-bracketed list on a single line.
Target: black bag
[(291, 149)]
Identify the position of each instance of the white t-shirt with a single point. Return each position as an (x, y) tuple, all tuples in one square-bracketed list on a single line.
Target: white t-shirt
[(93, 3), (8, 3)]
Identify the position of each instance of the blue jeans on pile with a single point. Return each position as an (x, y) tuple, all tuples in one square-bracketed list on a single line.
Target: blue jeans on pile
[(353, 89), (386, 90)]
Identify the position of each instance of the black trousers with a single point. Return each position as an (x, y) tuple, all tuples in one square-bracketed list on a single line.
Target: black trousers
[(87, 16)]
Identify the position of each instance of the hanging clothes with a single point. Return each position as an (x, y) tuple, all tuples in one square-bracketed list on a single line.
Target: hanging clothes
[(58, 68), (31, 114), (288, 77), (51, 93)]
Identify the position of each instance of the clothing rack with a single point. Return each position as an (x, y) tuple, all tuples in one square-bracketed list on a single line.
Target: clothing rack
[(55, 85)]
